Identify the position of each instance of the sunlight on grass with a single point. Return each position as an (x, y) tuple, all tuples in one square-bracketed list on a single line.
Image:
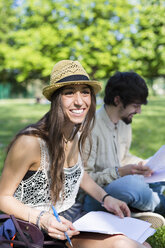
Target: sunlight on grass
[(15, 115), (148, 128)]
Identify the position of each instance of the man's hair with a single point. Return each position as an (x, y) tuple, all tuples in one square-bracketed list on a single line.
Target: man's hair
[(129, 86)]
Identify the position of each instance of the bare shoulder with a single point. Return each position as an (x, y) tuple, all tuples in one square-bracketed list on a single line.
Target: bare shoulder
[(27, 141), (23, 155), (25, 150)]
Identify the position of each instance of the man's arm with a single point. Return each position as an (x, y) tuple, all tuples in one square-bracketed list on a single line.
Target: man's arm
[(129, 158), (98, 173), (131, 164)]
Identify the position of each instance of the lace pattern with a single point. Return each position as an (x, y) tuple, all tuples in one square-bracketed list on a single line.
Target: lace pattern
[(35, 191), (72, 177)]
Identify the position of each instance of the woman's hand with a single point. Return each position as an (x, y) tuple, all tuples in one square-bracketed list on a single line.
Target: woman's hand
[(56, 229), (113, 205), (116, 206)]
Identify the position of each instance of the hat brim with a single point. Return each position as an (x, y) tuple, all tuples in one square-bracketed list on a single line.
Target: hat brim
[(49, 90)]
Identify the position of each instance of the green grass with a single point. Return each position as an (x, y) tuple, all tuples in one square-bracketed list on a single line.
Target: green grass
[(15, 115), (148, 128), (148, 132)]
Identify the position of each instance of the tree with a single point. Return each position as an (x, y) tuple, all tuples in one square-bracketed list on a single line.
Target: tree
[(7, 20), (105, 36), (148, 42)]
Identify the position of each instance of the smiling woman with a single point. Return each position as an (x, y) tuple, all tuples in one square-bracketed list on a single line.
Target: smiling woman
[(76, 102), (43, 167)]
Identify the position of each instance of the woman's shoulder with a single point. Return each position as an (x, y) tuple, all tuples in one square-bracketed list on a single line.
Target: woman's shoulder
[(25, 145), (24, 153), (27, 141)]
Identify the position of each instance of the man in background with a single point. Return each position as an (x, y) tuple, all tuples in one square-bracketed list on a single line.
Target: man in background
[(110, 163)]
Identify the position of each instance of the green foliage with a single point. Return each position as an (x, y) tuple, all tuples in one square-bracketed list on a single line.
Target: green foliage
[(105, 36), (148, 41)]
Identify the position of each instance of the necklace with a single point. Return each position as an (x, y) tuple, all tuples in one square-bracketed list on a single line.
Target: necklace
[(70, 138), (66, 143), (65, 140)]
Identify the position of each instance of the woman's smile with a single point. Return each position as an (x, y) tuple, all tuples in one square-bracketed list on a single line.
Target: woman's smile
[(76, 100)]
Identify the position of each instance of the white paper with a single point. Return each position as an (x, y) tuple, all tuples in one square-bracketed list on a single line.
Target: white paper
[(149, 232), (157, 165), (157, 161), (103, 222), (157, 176)]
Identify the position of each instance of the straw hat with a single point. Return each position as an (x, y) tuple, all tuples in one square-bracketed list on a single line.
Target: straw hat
[(67, 72)]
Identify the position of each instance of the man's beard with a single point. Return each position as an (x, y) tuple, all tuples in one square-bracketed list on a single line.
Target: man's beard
[(127, 120)]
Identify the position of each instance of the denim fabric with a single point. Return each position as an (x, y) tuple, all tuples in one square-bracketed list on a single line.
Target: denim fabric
[(133, 190), (159, 187), (73, 213)]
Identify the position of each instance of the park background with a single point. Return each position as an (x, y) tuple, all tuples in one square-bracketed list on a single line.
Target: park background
[(105, 36)]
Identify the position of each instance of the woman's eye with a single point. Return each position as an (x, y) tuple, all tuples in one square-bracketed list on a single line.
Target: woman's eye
[(86, 92)]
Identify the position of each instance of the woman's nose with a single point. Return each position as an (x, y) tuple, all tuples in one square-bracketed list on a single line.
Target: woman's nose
[(78, 98)]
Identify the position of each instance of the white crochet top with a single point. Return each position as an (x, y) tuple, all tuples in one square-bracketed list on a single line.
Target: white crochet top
[(35, 191)]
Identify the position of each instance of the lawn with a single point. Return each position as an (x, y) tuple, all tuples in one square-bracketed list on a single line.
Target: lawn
[(14, 115), (148, 128), (148, 132)]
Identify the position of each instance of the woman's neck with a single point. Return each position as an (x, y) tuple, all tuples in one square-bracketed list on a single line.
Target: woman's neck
[(69, 131), (70, 145), (71, 152)]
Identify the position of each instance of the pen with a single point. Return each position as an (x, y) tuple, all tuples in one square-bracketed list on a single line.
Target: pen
[(58, 219)]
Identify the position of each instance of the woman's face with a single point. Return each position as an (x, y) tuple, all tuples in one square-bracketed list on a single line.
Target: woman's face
[(76, 101)]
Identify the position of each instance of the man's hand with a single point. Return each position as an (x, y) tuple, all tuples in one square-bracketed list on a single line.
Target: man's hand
[(131, 169), (116, 207)]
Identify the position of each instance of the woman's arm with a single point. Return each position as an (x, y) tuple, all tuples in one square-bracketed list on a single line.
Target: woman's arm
[(113, 205), (25, 155)]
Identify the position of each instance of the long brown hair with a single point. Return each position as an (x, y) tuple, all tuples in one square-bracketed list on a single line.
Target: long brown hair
[(49, 128)]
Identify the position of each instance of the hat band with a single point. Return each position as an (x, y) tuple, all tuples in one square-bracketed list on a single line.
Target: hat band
[(73, 78)]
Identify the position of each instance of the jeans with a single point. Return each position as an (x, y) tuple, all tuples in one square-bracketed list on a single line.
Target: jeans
[(159, 187), (73, 213), (133, 190)]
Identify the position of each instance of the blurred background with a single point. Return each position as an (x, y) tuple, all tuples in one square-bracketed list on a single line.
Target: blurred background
[(105, 36)]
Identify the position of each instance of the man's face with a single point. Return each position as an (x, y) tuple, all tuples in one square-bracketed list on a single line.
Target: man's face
[(127, 113)]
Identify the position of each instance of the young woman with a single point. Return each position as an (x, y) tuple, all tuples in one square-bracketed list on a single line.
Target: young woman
[(44, 168)]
